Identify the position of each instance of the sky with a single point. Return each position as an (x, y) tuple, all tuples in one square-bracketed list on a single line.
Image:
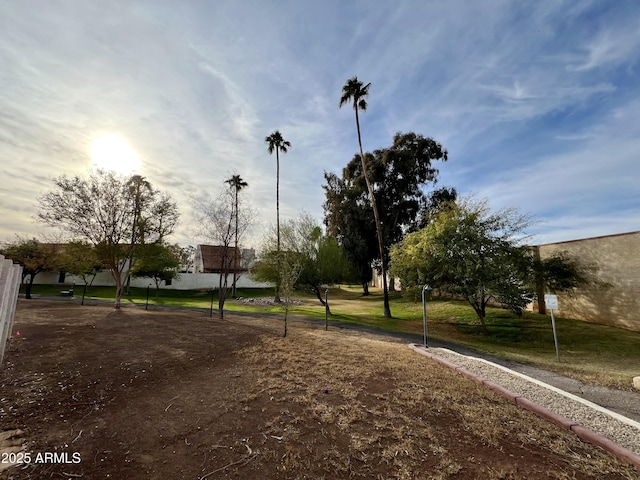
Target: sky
[(537, 103)]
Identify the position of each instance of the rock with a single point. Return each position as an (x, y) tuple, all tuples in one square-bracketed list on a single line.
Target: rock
[(636, 383)]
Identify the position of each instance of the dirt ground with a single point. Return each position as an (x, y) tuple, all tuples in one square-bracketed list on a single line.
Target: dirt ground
[(132, 394)]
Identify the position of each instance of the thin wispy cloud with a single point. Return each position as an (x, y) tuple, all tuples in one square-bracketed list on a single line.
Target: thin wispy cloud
[(536, 102)]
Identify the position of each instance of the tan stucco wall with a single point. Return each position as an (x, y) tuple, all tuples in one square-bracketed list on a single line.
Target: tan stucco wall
[(617, 258)]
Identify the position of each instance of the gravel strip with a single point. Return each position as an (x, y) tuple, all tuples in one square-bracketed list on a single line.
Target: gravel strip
[(621, 430)]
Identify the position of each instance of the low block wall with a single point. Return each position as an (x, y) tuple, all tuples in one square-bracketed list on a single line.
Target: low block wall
[(187, 281), (10, 276)]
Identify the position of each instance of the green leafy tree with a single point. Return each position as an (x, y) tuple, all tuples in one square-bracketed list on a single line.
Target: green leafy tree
[(325, 263), (323, 260), (140, 189), (470, 252), (275, 142), (436, 201), (290, 265), (398, 175), (80, 258), (354, 92), (104, 210), (158, 261), (284, 267), (236, 183), (187, 255), (34, 256), (350, 222)]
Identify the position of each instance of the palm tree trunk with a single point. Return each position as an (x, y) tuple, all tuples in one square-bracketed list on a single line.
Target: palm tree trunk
[(277, 297), (383, 262), (235, 251)]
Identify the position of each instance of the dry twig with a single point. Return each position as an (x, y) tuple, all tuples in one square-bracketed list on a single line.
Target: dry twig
[(244, 461), (77, 437)]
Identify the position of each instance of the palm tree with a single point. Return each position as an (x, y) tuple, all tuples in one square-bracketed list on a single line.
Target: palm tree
[(354, 90), (237, 184), (276, 142), (136, 185)]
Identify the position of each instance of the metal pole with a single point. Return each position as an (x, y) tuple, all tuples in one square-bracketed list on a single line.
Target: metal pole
[(424, 315), (555, 337), (84, 292), (326, 309), (146, 307), (211, 307)]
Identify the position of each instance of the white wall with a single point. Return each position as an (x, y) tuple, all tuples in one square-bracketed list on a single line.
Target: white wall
[(187, 281)]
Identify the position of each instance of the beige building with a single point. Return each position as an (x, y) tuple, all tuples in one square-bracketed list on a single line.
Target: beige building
[(617, 260)]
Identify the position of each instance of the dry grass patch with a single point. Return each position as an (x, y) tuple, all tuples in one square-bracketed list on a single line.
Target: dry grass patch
[(375, 406), (168, 394)]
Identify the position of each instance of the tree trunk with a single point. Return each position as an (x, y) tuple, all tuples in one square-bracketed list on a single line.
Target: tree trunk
[(376, 216), (27, 290), (235, 252), (222, 292), (277, 297), (286, 311), (481, 313), (316, 290), (542, 307), (118, 303), (485, 330), (117, 278), (221, 299)]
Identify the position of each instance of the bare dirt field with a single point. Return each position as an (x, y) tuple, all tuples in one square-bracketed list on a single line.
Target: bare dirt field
[(132, 394)]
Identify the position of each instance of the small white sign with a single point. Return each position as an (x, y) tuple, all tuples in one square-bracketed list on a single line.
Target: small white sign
[(551, 302)]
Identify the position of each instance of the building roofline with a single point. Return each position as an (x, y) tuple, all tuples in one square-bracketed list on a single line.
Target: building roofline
[(589, 238)]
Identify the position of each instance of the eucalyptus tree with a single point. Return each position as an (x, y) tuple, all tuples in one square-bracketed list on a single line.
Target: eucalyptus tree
[(276, 142), (237, 183), (355, 91), (400, 174)]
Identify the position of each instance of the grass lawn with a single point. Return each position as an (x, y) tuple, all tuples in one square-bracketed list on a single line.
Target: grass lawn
[(596, 354)]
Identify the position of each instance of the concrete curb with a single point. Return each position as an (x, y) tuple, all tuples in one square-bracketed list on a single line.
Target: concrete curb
[(581, 432)]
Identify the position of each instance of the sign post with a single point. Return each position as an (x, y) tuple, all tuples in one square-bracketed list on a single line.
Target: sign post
[(551, 302)]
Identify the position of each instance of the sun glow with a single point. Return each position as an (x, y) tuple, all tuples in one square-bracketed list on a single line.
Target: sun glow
[(113, 153)]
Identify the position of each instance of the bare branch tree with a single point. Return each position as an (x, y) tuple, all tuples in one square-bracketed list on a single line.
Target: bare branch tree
[(104, 210), (218, 223)]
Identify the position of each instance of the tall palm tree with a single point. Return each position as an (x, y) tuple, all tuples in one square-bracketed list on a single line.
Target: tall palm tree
[(138, 187), (237, 183), (354, 90), (276, 142)]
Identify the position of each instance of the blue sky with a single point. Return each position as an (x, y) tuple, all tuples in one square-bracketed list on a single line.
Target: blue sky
[(537, 103)]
